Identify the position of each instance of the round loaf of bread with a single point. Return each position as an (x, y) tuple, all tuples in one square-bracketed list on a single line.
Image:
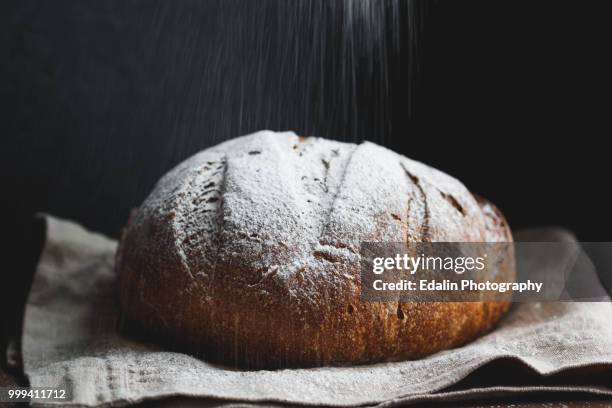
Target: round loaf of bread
[(248, 253)]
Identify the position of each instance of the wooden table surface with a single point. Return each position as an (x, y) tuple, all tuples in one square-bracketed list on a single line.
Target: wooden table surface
[(23, 256)]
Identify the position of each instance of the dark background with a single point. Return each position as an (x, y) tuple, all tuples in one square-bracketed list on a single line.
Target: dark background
[(100, 98)]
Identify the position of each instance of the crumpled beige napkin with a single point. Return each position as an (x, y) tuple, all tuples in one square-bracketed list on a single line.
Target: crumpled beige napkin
[(70, 338)]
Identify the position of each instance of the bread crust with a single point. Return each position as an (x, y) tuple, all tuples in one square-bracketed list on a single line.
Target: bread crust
[(248, 253)]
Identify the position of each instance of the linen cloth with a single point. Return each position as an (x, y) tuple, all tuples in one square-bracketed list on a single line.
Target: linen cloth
[(70, 337)]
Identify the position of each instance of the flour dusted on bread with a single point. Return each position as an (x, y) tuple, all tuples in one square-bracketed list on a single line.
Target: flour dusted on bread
[(249, 251)]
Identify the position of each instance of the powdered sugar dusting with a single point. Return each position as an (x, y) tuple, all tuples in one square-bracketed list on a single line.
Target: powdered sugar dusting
[(286, 205)]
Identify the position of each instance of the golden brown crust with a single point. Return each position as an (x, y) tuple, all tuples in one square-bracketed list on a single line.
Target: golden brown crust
[(211, 295)]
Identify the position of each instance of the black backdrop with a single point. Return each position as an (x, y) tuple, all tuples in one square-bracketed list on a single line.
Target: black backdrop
[(99, 98)]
